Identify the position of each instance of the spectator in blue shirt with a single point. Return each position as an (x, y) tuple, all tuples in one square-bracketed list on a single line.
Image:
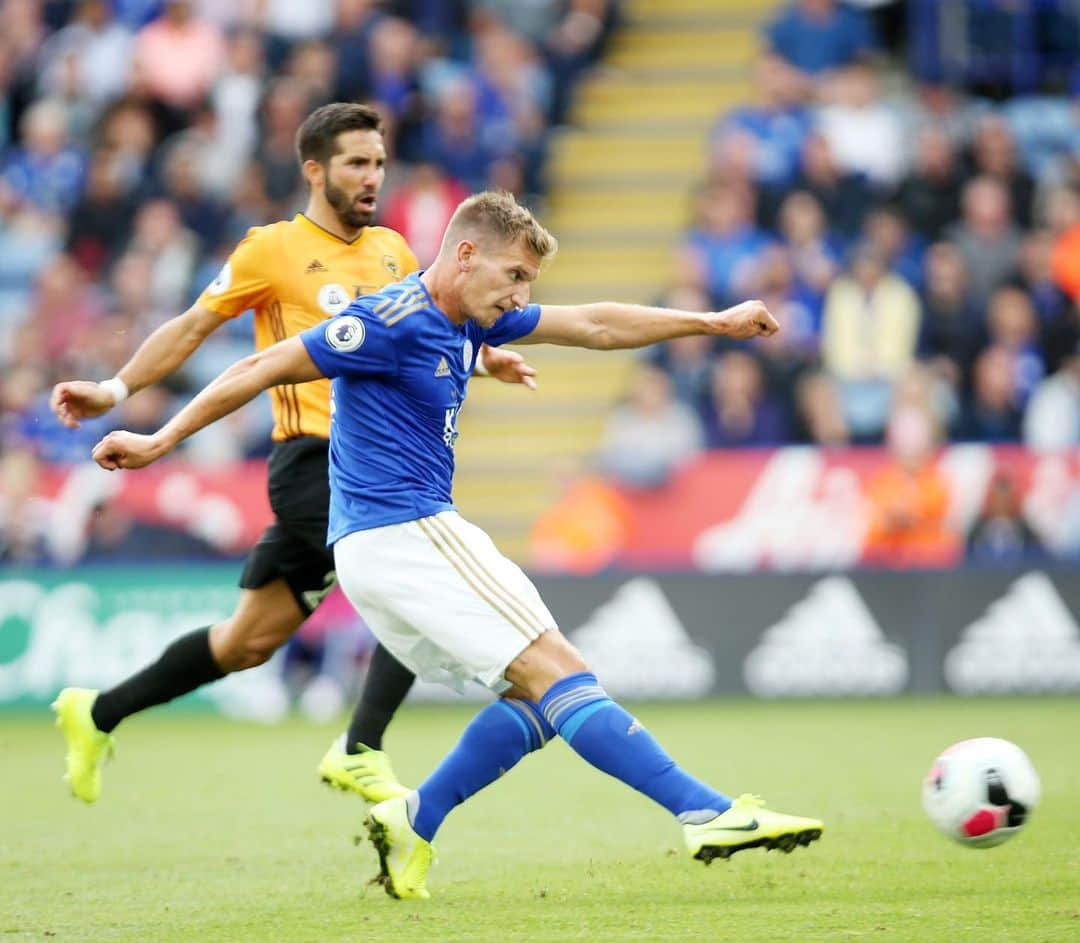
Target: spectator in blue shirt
[(452, 137), (45, 171), (818, 35), (725, 244), (774, 129), (740, 412), (1001, 534)]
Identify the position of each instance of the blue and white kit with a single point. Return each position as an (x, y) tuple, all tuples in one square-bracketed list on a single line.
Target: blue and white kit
[(432, 587)]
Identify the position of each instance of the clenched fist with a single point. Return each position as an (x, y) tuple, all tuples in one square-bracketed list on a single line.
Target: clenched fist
[(746, 320), (127, 450), (79, 399)]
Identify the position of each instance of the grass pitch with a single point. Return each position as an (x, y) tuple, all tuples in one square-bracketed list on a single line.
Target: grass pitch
[(209, 830)]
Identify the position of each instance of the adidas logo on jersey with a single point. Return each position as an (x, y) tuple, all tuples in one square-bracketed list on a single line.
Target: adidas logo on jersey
[(314, 266), (443, 369)]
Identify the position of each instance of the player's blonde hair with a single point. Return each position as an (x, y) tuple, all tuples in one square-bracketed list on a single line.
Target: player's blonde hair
[(499, 215)]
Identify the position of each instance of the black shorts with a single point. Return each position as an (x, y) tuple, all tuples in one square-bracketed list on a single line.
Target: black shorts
[(293, 548)]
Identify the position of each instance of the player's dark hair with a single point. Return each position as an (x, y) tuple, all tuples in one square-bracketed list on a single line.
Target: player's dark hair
[(316, 138)]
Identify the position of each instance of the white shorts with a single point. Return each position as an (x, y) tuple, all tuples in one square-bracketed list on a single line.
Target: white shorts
[(439, 595)]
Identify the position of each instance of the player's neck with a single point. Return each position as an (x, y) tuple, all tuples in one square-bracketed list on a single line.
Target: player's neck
[(324, 217), (440, 285)]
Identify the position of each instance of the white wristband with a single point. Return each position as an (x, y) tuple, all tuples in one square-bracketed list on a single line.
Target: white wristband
[(479, 370), (117, 387)]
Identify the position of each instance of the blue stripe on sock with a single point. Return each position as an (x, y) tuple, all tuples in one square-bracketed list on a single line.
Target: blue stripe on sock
[(566, 703), (573, 725), (532, 714), (569, 695)]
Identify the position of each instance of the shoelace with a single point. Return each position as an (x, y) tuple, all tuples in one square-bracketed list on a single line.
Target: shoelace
[(748, 802)]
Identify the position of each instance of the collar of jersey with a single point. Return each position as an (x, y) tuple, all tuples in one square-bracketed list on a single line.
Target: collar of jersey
[(415, 276), (326, 232)]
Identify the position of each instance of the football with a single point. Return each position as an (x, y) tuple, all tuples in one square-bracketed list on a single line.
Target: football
[(981, 792)]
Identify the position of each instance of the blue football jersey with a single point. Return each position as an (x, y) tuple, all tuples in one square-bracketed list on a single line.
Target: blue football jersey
[(400, 371)]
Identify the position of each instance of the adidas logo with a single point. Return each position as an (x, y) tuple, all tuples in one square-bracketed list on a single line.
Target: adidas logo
[(314, 266), (636, 642), (443, 369), (828, 643), (1027, 641)]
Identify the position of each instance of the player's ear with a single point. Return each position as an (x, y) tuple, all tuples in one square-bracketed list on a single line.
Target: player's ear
[(466, 252), (314, 173)]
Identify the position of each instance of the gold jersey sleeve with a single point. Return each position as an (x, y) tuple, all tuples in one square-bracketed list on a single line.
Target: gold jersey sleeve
[(246, 279), (294, 275)]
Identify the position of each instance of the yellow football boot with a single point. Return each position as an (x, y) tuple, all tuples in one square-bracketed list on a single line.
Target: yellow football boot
[(748, 824), (367, 773), (87, 747), (404, 857)]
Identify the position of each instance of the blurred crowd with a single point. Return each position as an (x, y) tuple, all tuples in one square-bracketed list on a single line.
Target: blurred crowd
[(140, 139), (910, 212), (903, 191)]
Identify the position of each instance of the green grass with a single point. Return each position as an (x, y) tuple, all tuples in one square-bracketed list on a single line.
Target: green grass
[(210, 830)]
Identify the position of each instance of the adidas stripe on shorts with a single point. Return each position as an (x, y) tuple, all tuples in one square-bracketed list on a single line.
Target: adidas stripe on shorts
[(439, 595)]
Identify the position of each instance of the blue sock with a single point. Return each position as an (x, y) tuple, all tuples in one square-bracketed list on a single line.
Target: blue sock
[(496, 738), (605, 735)]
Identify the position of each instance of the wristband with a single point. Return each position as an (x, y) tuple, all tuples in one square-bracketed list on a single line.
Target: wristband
[(479, 370), (117, 387)]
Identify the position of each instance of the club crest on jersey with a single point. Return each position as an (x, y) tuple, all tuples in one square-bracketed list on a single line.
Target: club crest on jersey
[(222, 282), (334, 298), (345, 333), (466, 355), (391, 265)]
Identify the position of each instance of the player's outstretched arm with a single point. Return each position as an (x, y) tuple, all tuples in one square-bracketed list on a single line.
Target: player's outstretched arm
[(158, 356), (285, 362), (506, 365), (608, 325)]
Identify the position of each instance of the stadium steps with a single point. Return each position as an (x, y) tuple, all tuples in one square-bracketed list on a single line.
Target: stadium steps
[(618, 200)]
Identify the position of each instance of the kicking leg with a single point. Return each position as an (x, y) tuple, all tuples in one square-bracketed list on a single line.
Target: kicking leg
[(604, 734), (478, 613)]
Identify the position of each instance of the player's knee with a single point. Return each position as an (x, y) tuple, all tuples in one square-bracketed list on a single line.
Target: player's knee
[(563, 656), (237, 649), (257, 651), (549, 659)]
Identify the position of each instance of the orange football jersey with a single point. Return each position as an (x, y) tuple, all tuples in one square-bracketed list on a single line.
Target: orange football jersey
[(295, 274)]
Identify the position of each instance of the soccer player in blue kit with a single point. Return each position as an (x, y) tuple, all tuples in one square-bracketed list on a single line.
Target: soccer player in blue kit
[(433, 588)]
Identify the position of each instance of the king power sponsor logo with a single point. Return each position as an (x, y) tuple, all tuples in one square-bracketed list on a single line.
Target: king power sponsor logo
[(1027, 642), (825, 516), (94, 632), (827, 644), (817, 500)]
